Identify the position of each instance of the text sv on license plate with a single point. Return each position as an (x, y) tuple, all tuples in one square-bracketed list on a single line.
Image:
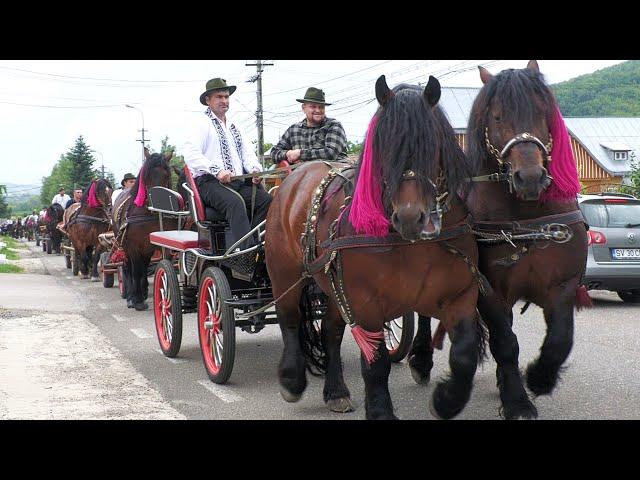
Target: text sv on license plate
[(625, 253)]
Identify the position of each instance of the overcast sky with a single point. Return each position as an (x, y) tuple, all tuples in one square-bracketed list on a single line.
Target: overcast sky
[(46, 105)]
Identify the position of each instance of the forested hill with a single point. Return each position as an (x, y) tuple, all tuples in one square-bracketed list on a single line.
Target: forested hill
[(610, 92)]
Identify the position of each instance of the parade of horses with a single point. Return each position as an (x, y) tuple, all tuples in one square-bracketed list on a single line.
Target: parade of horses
[(416, 225)]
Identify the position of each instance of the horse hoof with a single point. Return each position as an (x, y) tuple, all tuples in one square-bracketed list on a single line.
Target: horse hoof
[(418, 377), (95, 279), (340, 405), (523, 410), (288, 396), (130, 304), (432, 410), (141, 306), (85, 277)]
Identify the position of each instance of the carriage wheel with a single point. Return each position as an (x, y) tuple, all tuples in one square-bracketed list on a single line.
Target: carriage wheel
[(121, 286), (398, 335), (216, 325), (167, 308)]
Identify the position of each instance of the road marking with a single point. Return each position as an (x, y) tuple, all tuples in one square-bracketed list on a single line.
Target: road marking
[(223, 393), (141, 333), (119, 318), (69, 278), (103, 306), (173, 360)]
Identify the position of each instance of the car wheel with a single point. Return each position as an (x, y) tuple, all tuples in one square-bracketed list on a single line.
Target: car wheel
[(629, 296)]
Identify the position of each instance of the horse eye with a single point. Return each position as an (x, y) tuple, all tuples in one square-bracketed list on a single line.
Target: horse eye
[(497, 118)]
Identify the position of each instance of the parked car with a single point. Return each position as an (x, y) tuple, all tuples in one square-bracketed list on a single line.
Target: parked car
[(613, 260)]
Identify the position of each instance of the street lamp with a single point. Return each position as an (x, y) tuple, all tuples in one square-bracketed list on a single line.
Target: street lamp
[(142, 115)]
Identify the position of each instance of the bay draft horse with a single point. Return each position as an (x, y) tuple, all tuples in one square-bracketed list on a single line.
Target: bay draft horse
[(410, 172), (133, 222), (527, 188), (84, 221), (52, 218)]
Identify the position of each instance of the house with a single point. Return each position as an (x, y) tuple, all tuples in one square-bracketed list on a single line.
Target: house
[(603, 147)]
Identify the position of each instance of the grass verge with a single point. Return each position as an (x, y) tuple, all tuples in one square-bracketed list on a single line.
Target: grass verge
[(8, 268)]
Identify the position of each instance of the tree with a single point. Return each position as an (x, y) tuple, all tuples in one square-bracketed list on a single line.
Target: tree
[(60, 176), (176, 161), (5, 210), (354, 148), (82, 161)]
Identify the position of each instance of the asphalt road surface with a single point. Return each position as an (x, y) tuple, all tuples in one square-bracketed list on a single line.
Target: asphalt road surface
[(600, 382)]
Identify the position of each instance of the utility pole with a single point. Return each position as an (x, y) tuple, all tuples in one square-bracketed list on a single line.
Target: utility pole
[(259, 121)]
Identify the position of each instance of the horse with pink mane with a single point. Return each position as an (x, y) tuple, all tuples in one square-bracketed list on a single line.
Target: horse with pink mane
[(85, 223), (403, 244), (531, 235)]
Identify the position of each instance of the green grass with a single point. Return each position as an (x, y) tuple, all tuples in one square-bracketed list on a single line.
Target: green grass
[(8, 268), (11, 242), (8, 250)]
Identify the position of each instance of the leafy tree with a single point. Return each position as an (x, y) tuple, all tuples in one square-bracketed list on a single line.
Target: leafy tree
[(82, 160), (5, 210), (60, 176), (354, 148), (176, 161)]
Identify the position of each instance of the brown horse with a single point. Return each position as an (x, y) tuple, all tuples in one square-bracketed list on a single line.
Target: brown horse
[(133, 222), (411, 170), (85, 222), (532, 238)]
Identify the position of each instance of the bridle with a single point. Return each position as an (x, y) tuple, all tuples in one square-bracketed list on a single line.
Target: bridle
[(505, 169), (436, 213)]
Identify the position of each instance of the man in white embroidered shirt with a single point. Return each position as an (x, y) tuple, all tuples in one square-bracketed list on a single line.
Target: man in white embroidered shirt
[(215, 151)]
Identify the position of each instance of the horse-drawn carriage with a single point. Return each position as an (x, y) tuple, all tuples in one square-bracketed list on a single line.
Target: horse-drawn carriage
[(205, 272)]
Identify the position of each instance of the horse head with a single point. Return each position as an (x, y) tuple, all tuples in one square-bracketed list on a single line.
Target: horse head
[(98, 195), (411, 147), (155, 172), (510, 123)]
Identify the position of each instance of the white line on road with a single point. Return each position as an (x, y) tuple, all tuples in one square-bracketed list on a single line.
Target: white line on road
[(119, 318), (173, 360), (223, 393), (141, 333)]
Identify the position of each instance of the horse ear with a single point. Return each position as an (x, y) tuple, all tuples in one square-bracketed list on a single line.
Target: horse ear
[(533, 65), (432, 91), (168, 155), (485, 76), (146, 153), (383, 92)]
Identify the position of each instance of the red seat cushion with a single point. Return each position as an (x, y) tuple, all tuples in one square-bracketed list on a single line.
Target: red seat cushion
[(199, 206), (175, 239)]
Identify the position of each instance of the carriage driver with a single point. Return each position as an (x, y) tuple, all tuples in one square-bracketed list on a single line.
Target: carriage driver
[(215, 150), (314, 138)]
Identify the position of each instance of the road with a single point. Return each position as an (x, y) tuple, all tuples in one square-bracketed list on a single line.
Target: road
[(600, 381)]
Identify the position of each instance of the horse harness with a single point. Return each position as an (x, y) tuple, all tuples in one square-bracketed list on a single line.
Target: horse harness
[(331, 259)]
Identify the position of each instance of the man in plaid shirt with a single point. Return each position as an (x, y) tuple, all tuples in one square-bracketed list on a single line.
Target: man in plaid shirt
[(315, 138)]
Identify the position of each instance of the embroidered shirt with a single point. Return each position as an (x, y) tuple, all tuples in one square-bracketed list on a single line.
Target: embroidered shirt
[(213, 146), (325, 142)]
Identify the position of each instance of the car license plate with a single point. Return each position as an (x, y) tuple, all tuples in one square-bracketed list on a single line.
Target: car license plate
[(621, 253)]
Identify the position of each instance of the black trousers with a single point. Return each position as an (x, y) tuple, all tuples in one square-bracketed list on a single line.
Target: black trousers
[(215, 195)]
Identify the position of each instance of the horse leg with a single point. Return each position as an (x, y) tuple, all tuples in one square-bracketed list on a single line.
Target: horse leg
[(421, 354), (451, 395), (504, 347), (377, 403), (95, 257), (84, 263), (542, 374), (140, 280), (335, 393), (292, 366), (127, 273)]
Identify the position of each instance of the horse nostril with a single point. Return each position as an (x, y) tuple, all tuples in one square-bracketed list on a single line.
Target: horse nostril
[(394, 218), (421, 219), (517, 179)]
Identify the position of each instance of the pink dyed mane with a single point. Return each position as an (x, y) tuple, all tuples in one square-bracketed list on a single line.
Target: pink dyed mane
[(367, 211), (563, 169), (92, 200), (141, 197)]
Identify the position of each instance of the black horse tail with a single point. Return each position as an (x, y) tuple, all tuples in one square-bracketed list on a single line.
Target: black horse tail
[(309, 331), (483, 337)]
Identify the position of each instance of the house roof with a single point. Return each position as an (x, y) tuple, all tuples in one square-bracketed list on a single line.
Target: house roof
[(597, 135)]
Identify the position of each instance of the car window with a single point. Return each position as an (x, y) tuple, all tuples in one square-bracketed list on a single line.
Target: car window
[(611, 215)]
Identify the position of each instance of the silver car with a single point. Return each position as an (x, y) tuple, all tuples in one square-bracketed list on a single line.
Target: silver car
[(613, 260)]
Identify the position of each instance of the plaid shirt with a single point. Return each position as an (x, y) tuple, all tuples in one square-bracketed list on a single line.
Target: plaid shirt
[(326, 142)]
